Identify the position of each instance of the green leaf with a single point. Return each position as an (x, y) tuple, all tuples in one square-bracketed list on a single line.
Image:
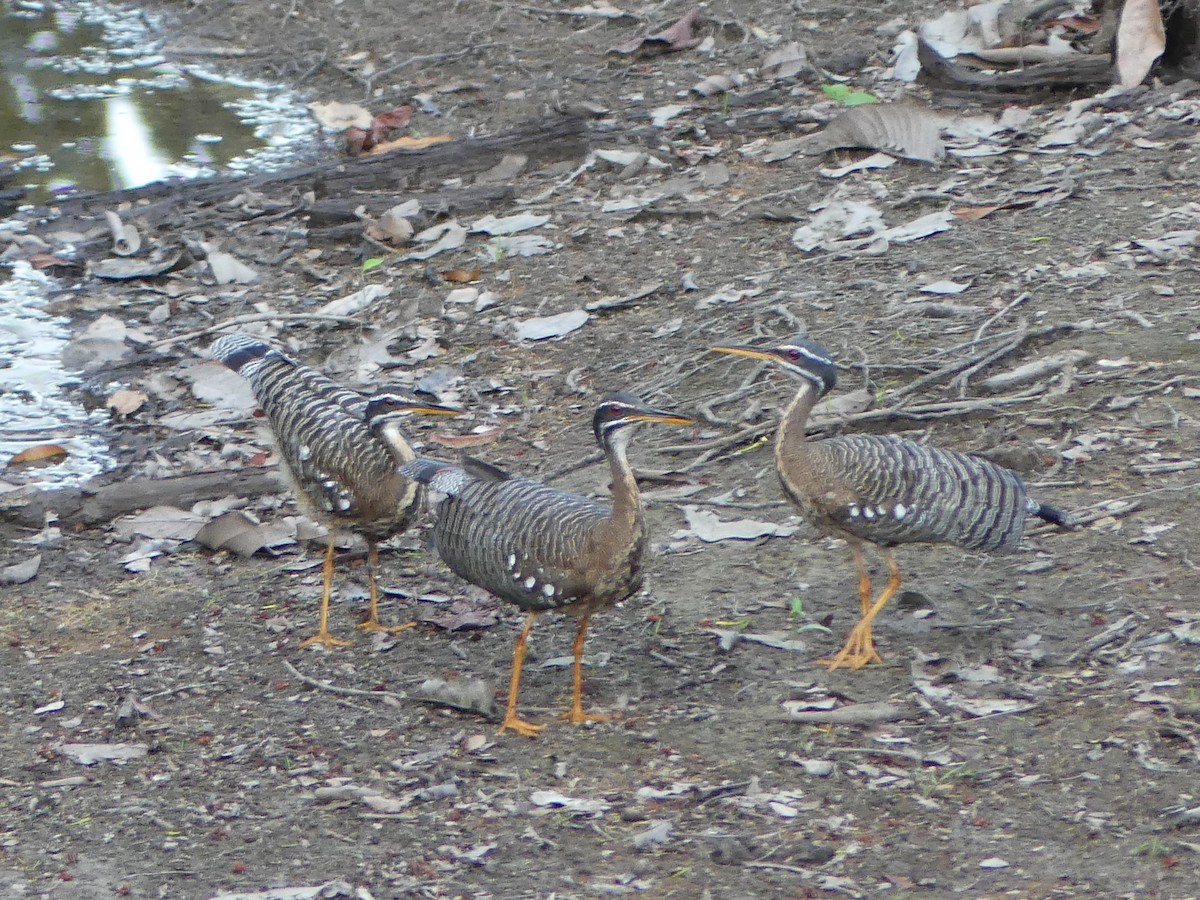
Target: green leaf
[(842, 94), (369, 264)]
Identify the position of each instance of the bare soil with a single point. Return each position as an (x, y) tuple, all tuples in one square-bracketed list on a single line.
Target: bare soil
[(1032, 759)]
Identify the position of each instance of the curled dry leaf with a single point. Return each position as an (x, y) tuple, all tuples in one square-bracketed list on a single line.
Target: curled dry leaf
[(787, 61), (677, 37), (19, 573), (904, 129), (718, 84), (238, 533), (1141, 40), (41, 455), (392, 227), (125, 238), (468, 694), (461, 276)]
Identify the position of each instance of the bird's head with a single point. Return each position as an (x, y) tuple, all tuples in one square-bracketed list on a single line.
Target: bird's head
[(617, 411), (387, 410), (801, 357)]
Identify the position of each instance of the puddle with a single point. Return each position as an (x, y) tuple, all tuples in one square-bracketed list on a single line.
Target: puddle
[(33, 409), (88, 103)]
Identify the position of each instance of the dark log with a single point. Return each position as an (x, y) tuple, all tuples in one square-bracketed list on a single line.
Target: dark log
[(103, 503), (342, 210), (543, 141), (1083, 71)]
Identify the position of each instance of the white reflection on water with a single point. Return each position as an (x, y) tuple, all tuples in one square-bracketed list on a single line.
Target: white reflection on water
[(33, 409), (129, 145)]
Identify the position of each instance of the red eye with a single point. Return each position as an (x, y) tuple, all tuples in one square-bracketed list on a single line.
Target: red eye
[(794, 354)]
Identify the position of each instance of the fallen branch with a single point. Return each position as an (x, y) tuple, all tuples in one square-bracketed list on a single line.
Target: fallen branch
[(344, 691)]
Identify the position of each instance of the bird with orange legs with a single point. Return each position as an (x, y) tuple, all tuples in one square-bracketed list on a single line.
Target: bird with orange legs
[(546, 549), (885, 490), (341, 452)]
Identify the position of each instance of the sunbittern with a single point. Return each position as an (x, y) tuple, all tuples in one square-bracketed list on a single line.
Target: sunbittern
[(885, 490), (543, 548), (341, 451)]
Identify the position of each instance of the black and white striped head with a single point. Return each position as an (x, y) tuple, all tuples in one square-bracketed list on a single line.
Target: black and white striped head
[(387, 410), (617, 411), (801, 357)]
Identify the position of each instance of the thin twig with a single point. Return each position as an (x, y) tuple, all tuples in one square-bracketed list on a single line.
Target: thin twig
[(335, 689)]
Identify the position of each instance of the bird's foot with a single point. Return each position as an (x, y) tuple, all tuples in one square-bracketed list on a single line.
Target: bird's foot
[(512, 722), (576, 716), (376, 625), (326, 640), (858, 651)]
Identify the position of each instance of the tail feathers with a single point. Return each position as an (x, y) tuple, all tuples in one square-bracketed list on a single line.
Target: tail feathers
[(448, 478), (238, 351), (443, 477), (1053, 516)]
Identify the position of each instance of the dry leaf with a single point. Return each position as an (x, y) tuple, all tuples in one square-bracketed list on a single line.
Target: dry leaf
[(125, 238), (1141, 40), (393, 227), (19, 573), (462, 441), (974, 213), (785, 62), (677, 37), (706, 525), (228, 269), (356, 302), (543, 327), (42, 455), (410, 143), (167, 522), (124, 403), (900, 128), (339, 116), (461, 276), (90, 754), (490, 224)]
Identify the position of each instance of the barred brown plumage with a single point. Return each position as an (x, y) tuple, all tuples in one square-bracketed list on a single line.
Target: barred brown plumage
[(340, 450), (543, 548), (886, 490)]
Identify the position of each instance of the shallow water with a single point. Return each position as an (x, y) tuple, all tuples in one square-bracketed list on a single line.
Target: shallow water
[(88, 103)]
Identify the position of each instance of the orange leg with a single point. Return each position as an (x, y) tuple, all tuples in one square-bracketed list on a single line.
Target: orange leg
[(323, 637), (511, 719), (373, 623), (575, 714), (859, 648)]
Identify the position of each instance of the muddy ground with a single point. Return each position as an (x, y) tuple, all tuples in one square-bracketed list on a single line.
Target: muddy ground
[(1048, 737)]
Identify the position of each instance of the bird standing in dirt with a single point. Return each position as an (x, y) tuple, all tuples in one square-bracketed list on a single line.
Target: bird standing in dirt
[(885, 490), (341, 451), (543, 548)]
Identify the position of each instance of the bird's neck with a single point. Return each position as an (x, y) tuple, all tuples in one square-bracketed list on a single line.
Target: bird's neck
[(627, 505), (389, 433), (790, 437)]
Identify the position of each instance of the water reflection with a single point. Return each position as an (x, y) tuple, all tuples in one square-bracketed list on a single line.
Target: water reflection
[(33, 409), (129, 145), (87, 102)]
